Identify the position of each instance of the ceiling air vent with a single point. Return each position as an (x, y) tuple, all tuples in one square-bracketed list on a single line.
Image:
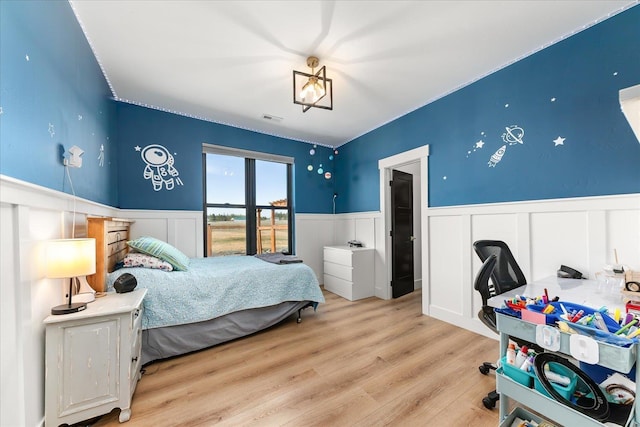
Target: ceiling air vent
[(272, 118)]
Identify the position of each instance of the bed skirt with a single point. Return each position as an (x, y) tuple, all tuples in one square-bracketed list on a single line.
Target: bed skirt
[(161, 343)]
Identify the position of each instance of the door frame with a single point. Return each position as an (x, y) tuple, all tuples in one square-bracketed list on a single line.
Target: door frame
[(385, 167)]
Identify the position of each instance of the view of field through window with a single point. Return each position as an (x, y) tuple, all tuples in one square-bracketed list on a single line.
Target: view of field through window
[(226, 232)]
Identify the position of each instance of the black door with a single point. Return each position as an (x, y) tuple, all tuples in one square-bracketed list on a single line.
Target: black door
[(401, 234)]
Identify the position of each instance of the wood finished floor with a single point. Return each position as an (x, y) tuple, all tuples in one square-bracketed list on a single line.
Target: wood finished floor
[(365, 363)]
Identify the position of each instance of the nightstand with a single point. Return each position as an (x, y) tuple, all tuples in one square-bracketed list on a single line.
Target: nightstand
[(93, 359)]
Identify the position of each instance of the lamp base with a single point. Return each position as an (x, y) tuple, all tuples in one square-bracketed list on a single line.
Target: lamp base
[(69, 308)]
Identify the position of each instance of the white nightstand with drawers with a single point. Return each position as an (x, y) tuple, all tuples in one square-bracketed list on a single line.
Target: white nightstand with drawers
[(93, 361), (348, 271)]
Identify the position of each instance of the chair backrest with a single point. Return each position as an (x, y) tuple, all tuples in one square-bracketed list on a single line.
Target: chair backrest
[(486, 290), (481, 283), (507, 274)]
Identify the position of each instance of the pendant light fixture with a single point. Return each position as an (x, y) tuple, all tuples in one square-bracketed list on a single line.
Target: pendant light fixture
[(312, 90)]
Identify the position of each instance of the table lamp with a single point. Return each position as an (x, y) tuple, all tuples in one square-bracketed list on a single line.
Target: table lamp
[(70, 258)]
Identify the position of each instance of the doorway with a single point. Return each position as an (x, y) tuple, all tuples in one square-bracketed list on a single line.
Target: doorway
[(402, 259), (413, 162)]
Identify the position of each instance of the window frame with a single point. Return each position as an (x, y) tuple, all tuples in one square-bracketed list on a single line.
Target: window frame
[(250, 205)]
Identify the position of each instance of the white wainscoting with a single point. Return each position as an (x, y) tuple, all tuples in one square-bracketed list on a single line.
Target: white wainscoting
[(30, 215), (313, 233), (182, 229), (581, 233)]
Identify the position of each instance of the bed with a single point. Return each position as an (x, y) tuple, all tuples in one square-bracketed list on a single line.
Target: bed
[(209, 301)]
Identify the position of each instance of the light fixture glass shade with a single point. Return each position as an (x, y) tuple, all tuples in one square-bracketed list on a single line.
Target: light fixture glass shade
[(312, 91), (68, 258)]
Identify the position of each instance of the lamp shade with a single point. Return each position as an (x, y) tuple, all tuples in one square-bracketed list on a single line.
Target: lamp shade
[(71, 258)]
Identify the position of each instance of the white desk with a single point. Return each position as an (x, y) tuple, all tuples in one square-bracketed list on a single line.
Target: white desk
[(577, 291)]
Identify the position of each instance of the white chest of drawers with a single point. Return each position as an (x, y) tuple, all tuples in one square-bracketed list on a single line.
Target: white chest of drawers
[(348, 271), (93, 359)]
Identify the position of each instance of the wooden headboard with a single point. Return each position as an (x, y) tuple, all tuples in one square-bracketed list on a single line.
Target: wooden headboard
[(111, 236)]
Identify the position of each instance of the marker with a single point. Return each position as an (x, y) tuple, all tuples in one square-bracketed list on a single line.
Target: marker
[(616, 315), (628, 318), (587, 320), (634, 333), (627, 326), (577, 317), (546, 294)]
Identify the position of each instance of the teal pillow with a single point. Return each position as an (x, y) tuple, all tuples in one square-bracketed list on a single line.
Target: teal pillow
[(159, 249)]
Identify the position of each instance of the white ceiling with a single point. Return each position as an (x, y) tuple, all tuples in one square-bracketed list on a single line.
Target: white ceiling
[(231, 62)]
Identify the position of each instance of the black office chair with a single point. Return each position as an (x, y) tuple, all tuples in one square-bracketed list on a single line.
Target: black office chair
[(499, 265)]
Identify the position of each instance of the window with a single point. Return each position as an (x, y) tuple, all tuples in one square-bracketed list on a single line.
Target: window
[(247, 202)]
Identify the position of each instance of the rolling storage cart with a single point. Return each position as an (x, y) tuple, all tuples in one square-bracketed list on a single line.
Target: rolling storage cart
[(620, 359)]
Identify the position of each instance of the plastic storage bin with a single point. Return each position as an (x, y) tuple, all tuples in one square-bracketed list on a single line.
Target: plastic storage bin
[(518, 375), (524, 415), (564, 391)]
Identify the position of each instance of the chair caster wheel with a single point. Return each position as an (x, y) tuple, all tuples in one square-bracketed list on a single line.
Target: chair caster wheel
[(484, 370)]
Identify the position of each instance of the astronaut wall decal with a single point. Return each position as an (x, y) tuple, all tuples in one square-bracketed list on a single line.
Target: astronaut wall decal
[(159, 169)]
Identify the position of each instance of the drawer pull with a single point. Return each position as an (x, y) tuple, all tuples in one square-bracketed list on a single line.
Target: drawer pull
[(135, 359)]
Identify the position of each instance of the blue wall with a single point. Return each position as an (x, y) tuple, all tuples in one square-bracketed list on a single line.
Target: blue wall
[(569, 90), (182, 137), (53, 95)]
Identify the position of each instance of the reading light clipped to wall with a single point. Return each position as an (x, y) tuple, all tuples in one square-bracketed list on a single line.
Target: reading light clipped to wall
[(312, 90), (71, 259)]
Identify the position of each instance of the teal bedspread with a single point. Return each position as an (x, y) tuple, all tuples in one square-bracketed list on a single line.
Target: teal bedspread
[(216, 286)]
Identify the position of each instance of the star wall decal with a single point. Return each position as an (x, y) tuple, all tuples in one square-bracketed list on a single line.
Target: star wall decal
[(137, 148), (480, 144), (559, 141)]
